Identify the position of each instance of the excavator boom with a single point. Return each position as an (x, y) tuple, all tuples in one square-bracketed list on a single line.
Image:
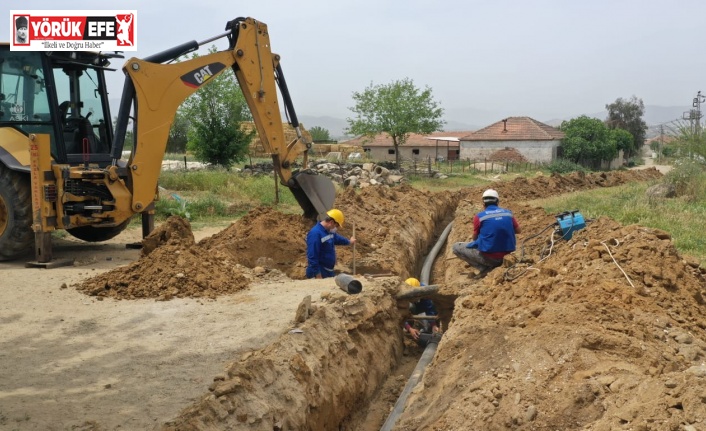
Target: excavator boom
[(157, 90)]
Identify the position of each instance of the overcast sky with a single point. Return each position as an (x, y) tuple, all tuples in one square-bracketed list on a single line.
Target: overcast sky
[(545, 59)]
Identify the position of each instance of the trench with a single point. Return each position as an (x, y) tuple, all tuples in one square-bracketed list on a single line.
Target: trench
[(348, 362), (345, 370)]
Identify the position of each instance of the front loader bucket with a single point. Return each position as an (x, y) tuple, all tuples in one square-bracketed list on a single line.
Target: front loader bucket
[(315, 193)]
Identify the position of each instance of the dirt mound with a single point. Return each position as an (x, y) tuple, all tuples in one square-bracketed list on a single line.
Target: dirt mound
[(393, 227), (311, 377), (266, 238), (507, 155), (600, 332), (175, 231), (171, 266)]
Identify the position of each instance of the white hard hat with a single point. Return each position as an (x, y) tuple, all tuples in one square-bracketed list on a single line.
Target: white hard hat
[(490, 195)]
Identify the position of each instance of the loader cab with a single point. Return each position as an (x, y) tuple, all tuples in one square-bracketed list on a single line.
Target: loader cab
[(62, 94)]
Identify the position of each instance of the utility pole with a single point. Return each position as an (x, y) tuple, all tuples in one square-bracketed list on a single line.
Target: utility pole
[(661, 143), (690, 116), (698, 100)]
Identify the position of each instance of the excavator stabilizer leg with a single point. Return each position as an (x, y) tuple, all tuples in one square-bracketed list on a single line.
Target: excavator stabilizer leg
[(315, 193)]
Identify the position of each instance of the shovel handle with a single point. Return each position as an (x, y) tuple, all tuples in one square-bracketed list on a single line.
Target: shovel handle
[(354, 248)]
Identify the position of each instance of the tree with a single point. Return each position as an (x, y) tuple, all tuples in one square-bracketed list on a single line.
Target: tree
[(588, 140), (178, 134), (319, 134), (215, 112), (398, 109), (623, 140), (129, 134), (627, 115)]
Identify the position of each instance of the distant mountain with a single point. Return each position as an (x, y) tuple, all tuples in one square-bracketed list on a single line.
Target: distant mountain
[(336, 126), (453, 126), (655, 115)]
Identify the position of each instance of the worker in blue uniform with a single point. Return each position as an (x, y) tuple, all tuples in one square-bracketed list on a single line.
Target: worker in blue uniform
[(321, 242), (494, 231)]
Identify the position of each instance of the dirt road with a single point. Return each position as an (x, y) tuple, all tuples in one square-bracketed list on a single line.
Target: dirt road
[(69, 361)]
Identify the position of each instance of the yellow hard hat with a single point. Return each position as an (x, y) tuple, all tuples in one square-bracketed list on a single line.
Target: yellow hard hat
[(412, 282), (337, 215)]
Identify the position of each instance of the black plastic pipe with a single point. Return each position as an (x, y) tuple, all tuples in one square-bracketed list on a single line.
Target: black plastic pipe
[(429, 351)]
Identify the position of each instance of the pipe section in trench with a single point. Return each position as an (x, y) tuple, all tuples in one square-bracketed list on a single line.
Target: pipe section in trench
[(429, 351)]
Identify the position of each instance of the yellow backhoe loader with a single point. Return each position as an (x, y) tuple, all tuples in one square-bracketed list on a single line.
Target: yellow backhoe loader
[(61, 163)]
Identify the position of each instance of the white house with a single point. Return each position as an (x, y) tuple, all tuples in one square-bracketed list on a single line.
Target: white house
[(535, 141)]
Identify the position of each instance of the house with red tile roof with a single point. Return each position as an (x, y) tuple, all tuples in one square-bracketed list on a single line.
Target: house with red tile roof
[(436, 146), (533, 140)]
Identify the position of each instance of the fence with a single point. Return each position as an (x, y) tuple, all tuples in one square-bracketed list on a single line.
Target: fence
[(471, 166)]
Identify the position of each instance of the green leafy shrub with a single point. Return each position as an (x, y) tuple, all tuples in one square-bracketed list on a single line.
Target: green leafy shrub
[(562, 166)]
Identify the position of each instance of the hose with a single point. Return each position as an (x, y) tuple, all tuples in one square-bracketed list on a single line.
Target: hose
[(542, 255), (429, 351)]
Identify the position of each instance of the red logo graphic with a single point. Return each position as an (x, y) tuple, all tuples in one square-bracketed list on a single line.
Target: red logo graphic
[(126, 30)]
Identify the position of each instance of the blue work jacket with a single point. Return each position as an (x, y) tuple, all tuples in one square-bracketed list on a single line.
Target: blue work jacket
[(321, 251), (497, 233)]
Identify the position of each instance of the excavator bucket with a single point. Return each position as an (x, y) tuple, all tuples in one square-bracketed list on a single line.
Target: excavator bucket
[(315, 193)]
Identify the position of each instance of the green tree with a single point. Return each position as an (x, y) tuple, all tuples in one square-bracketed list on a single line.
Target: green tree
[(398, 109), (627, 115), (319, 134), (216, 111), (178, 134), (129, 135), (588, 140), (623, 140)]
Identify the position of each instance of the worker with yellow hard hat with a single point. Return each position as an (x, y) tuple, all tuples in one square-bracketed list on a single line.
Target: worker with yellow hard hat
[(321, 242), (412, 282)]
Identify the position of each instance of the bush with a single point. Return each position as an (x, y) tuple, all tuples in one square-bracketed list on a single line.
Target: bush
[(688, 178), (203, 207), (562, 166), (669, 151)]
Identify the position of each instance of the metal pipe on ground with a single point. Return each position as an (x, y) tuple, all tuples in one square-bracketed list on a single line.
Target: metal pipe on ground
[(348, 284), (429, 351)]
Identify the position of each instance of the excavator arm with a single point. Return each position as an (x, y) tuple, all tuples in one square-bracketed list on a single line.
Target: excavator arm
[(156, 88)]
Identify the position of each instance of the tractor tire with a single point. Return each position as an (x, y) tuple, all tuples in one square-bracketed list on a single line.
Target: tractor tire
[(97, 234), (16, 235)]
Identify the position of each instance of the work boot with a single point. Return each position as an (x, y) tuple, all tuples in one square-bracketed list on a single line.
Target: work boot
[(482, 273)]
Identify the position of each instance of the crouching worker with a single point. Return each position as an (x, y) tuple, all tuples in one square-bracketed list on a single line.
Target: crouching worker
[(320, 245), (421, 330), (494, 231)]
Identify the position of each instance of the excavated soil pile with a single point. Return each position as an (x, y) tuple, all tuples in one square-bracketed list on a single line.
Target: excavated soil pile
[(264, 238), (507, 155), (391, 225), (605, 333), (313, 376), (171, 266)]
